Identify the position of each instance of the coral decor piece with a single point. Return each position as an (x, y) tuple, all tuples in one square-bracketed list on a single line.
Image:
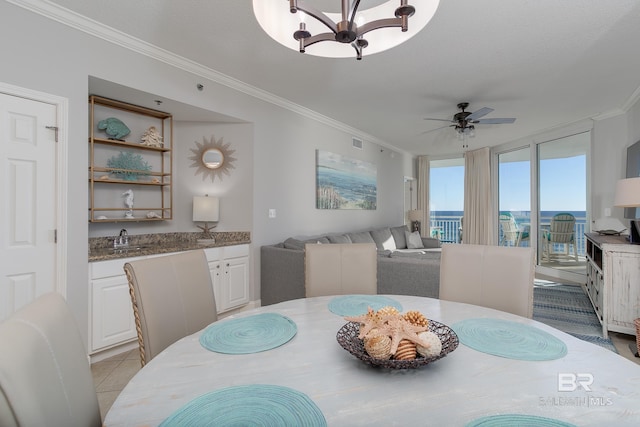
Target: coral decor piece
[(152, 138), (128, 166)]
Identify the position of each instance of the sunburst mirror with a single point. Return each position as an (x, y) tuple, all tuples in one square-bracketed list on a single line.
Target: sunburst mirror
[(212, 158)]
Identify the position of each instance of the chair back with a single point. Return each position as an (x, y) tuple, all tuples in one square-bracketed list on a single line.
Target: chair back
[(340, 269), (490, 276), (45, 377), (510, 229), (172, 297), (561, 228)]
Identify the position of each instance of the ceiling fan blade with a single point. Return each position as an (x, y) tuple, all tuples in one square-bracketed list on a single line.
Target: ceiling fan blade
[(440, 120), (433, 130), (496, 121), (480, 113)]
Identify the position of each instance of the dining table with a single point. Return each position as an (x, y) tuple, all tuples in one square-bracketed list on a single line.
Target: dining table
[(504, 368)]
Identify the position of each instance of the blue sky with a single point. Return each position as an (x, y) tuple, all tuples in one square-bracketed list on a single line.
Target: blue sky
[(562, 183)]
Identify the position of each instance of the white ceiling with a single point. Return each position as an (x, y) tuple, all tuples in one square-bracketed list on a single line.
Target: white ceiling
[(546, 62)]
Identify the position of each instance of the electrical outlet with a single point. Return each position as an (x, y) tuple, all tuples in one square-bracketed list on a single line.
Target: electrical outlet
[(272, 213)]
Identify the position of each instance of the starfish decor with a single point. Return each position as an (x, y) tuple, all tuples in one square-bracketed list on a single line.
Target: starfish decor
[(395, 326)]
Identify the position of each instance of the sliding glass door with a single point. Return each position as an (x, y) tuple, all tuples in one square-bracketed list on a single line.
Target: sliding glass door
[(562, 205), (514, 197), (542, 202)]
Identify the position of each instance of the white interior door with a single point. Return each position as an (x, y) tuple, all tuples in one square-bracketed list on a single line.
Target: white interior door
[(27, 201)]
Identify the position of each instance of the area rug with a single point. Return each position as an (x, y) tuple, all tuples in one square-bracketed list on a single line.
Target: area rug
[(567, 308)]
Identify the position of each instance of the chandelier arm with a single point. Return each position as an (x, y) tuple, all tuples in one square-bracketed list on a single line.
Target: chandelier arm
[(320, 16), (352, 12), (324, 37), (380, 23)]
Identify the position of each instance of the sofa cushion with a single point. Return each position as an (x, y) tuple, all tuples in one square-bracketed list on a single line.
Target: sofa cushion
[(414, 241), (383, 238), (399, 237), (292, 243), (431, 242), (339, 238), (362, 237)]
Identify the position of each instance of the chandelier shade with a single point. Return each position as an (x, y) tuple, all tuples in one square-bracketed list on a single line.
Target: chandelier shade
[(353, 31)]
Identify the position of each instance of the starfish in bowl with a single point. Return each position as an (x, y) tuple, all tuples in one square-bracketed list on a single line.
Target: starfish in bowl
[(392, 325), (399, 329)]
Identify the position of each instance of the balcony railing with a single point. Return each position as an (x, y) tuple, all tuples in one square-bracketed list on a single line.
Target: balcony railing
[(448, 230)]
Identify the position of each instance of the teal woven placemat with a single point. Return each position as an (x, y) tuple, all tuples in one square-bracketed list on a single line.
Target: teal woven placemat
[(509, 339), (511, 420), (249, 405), (355, 305), (250, 334)]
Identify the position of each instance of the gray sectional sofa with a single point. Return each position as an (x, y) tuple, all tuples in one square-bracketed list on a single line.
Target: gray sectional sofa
[(402, 270)]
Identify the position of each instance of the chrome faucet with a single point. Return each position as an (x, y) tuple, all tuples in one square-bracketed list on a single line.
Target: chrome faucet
[(122, 240)]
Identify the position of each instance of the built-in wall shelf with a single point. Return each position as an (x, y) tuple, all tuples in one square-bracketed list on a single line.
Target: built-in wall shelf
[(151, 186)]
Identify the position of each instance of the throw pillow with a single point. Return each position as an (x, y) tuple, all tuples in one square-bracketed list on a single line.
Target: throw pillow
[(362, 237), (414, 241), (292, 243), (340, 238), (384, 239), (398, 236)]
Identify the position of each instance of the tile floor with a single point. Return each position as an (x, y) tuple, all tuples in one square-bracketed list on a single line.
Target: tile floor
[(111, 375)]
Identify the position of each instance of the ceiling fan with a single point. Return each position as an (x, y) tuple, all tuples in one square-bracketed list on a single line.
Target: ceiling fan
[(464, 121)]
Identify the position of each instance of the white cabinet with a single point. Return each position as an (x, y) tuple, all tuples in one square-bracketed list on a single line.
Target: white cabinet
[(613, 282), (110, 311), (229, 267)]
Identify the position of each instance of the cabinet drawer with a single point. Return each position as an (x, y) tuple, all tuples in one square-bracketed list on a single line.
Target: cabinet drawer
[(236, 251), (110, 268)]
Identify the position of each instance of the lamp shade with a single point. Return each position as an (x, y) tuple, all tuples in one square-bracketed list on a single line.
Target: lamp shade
[(415, 215), (627, 193), (206, 209)]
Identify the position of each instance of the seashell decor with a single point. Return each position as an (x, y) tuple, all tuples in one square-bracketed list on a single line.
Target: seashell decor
[(388, 334)]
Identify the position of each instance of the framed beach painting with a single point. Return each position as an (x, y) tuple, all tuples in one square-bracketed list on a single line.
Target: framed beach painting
[(344, 183)]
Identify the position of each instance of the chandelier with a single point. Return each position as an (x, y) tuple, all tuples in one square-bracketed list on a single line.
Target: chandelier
[(351, 30)]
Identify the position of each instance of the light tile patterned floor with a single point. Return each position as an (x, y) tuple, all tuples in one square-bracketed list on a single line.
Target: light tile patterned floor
[(111, 375)]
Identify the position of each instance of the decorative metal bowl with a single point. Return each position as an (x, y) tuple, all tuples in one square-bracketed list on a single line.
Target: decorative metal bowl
[(347, 337)]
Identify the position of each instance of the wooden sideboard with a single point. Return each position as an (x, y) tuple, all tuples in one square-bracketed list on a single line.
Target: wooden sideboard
[(613, 281)]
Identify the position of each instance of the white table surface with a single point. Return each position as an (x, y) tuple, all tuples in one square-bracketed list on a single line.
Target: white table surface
[(452, 391)]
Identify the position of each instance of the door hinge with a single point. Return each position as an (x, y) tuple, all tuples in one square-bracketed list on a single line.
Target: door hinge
[(54, 128), (55, 236)]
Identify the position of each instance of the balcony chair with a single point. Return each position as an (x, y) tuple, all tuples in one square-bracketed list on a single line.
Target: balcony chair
[(45, 377), (561, 231), (490, 276), (340, 269), (512, 235), (172, 297)]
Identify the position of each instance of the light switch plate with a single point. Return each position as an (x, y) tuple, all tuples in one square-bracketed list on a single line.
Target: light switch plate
[(272, 213)]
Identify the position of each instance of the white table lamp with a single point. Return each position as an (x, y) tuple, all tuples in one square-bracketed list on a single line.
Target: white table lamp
[(206, 209)]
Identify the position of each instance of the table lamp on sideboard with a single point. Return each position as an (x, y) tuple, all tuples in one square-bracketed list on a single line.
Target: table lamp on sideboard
[(206, 209), (628, 196)]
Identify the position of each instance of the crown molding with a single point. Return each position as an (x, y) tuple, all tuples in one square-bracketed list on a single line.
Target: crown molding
[(89, 26)]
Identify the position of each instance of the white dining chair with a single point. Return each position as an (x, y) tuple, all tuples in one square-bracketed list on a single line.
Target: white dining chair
[(340, 269), (172, 297), (45, 377), (490, 276)]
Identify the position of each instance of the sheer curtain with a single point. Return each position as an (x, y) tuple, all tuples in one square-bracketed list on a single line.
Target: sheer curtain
[(478, 209), (423, 194)]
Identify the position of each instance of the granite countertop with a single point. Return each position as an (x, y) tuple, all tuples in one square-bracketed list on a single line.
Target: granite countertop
[(101, 248)]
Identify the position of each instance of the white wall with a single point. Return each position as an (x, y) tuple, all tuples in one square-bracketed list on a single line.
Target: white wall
[(276, 157)]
